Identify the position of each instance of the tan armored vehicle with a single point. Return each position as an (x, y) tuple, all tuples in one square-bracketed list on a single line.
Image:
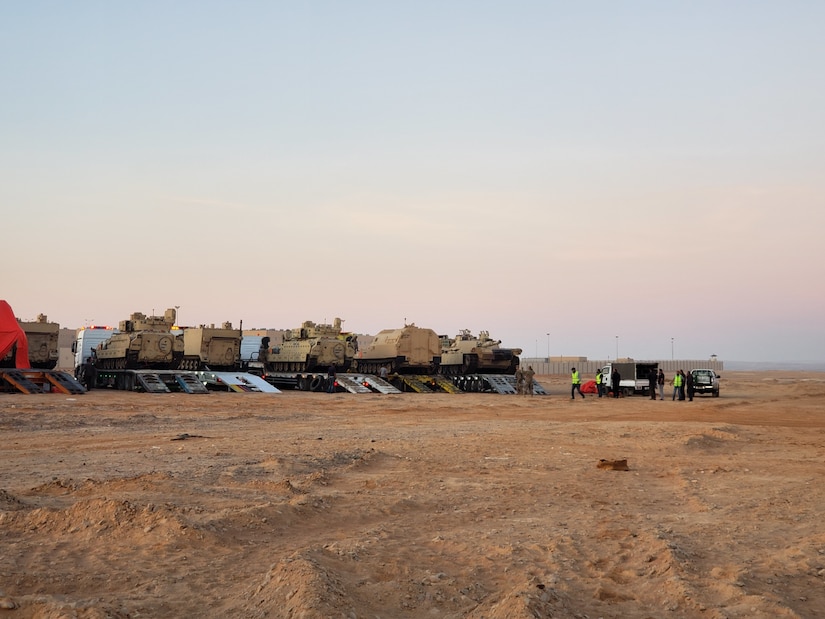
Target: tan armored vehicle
[(313, 347), (42, 338), (409, 350), (468, 354), (144, 342), (211, 348)]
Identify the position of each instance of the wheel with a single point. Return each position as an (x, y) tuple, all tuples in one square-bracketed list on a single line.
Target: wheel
[(317, 383), (716, 394)]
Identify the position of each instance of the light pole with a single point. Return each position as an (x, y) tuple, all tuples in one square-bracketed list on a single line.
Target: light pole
[(617, 348), (548, 348), (671, 349)]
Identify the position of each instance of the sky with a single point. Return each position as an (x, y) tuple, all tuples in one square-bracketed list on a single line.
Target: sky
[(577, 178)]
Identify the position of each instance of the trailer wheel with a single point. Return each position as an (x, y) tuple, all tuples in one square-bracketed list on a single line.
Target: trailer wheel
[(316, 384)]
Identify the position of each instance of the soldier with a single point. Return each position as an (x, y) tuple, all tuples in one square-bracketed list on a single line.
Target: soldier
[(528, 380), (519, 381)]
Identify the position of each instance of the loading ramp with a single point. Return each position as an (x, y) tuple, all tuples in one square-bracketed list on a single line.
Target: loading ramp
[(316, 381), (371, 384), (150, 381), (504, 384), (30, 381), (352, 383), (418, 384), (239, 382)]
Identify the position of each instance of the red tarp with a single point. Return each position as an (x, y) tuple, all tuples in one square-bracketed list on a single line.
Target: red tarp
[(11, 334), (590, 387)]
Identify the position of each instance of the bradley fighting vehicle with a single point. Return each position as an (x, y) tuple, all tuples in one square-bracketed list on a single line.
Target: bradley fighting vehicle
[(467, 354), (211, 348), (410, 350), (313, 347), (43, 348), (143, 342)]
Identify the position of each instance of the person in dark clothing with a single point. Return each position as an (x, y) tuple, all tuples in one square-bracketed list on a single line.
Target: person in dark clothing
[(615, 379), (89, 375), (331, 376), (689, 385), (651, 377)]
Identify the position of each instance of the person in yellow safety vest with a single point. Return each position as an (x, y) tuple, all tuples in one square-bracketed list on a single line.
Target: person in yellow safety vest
[(576, 384), (599, 383), (677, 384)]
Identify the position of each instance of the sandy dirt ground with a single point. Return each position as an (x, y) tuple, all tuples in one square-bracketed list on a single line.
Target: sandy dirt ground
[(116, 505)]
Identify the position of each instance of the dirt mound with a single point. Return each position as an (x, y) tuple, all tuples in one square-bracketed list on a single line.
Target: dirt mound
[(300, 586), (525, 602), (45, 608), (101, 518), (9, 502)]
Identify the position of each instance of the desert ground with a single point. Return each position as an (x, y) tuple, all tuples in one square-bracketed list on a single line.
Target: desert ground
[(314, 505)]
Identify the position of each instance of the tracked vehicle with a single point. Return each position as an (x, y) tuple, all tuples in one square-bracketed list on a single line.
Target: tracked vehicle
[(468, 354), (144, 342), (409, 350), (313, 347), (213, 348), (42, 338)]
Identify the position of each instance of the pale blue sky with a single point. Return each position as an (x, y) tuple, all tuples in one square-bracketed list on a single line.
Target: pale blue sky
[(591, 169)]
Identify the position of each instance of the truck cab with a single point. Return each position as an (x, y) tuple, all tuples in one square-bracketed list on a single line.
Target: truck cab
[(705, 381), (87, 341)]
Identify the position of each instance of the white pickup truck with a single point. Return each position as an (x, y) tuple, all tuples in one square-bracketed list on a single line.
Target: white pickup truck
[(705, 381)]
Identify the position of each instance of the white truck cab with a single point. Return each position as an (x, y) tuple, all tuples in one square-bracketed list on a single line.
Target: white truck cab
[(87, 340)]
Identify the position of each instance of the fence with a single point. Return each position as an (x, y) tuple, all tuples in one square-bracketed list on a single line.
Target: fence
[(589, 368)]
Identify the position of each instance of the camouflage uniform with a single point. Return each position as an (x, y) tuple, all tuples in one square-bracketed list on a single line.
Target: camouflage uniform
[(528, 380), (519, 381)]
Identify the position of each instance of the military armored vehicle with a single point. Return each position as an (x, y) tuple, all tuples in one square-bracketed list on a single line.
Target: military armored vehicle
[(313, 347), (468, 354), (42, 338), (409, 350), (211, 348), (144, 342)]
